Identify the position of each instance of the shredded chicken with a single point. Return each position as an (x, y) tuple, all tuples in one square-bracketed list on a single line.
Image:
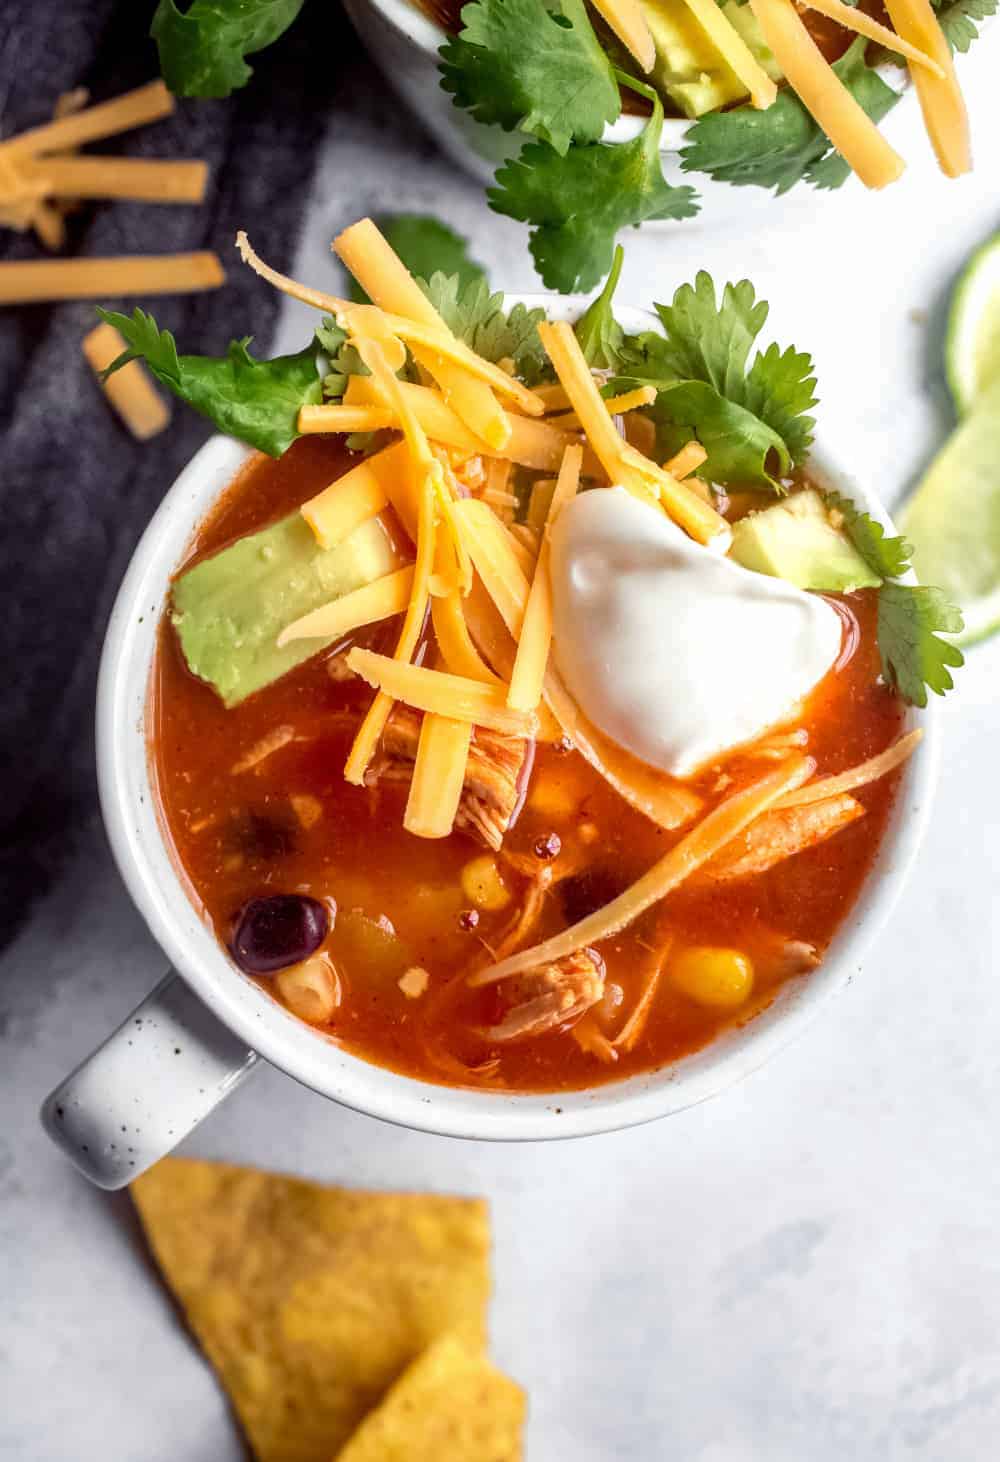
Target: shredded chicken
[(779, 835), (338, 669), (267, 745), (492, 776), (551, 995)]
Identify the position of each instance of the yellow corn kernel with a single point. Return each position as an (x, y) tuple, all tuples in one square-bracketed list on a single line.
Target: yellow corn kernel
[(722, 978), (483, 886), (311, 990)]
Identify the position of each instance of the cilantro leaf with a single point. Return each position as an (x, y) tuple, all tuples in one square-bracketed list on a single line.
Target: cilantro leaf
[(532, 65), (425, 245), (600, 336), (576, 204), (957, 18), (708, 342), (752, 422), (257, 401), (202, 49), (741, 448), (887, 557), (343, 359), (780, 389), (778, 147), (478, 318), (911, 619)]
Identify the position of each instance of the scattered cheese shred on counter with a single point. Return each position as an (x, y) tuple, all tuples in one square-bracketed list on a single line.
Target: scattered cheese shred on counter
[(130, 391), (33, 281)]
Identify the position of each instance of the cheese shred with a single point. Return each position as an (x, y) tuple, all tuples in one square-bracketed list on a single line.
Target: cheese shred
[(706, 838)]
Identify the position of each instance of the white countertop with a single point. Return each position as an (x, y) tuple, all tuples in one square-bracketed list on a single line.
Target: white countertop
[(805, 1269)]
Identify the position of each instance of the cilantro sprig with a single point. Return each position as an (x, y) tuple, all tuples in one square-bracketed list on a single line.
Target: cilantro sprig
[(478, 318), (576, 203), (752, 418), (203, 48), (911, 617), (958, 18), (783, 145), (257, 401), (532, 66)]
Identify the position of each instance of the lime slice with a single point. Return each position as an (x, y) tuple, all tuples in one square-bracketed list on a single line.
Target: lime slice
[(953, 519), (972, 344)]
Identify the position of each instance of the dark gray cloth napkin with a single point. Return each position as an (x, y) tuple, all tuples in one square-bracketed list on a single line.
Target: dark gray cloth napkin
[(75, 489)]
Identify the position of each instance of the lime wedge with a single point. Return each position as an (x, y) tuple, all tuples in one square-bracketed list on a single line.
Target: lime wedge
[(972, 344), (953, 519)]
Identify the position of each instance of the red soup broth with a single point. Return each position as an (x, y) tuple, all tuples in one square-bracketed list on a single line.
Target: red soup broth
[(292, 824)]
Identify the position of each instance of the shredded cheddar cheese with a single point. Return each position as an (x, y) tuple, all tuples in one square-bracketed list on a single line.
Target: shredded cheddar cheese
[(355, 497), (535, 640), (941, 100), (438, 776), (441, 693), (627, 20), (862, 24), (706, 838), (812, 78), (379, 600)]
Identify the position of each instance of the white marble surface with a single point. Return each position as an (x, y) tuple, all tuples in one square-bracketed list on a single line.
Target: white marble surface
[(805, 1269)]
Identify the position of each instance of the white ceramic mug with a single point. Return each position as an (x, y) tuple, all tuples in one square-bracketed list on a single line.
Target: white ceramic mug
[(202, 1030)]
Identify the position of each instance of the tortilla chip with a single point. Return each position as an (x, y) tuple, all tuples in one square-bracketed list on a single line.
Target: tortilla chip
[(311, 1301), (451, 1405)]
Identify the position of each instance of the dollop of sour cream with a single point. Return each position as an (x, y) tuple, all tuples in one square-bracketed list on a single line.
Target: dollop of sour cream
[(674, 652)]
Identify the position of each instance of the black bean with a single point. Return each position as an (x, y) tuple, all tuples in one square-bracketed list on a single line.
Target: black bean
[(271, 933)]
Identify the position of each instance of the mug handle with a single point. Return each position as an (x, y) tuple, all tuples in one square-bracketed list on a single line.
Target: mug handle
[(151, 1082)]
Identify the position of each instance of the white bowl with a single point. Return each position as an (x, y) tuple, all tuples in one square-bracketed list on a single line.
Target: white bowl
[(192, 1041), (404, 42)]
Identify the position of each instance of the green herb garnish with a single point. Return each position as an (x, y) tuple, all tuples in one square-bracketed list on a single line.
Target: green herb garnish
[(911, 617), (478, 318), (257, 401), (599, 333), (575, 204), (751, 419), (535, 67), (957, 18), (783, 145), (202, 48)]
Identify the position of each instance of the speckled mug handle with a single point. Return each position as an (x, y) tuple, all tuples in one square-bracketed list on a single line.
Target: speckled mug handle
[(153, 1080)]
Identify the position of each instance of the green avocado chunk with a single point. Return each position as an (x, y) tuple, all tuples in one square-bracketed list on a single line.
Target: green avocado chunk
[(794, 540), (230, 609), (688, 70)]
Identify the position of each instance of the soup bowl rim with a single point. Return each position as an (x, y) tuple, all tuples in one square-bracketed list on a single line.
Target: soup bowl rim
[(141, 849)]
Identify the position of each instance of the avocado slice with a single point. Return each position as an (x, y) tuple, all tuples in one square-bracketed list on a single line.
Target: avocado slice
[(688, 70), (794, 540), (229, 609)]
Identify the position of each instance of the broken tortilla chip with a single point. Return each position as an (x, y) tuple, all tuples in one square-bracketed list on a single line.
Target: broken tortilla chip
[(309, 1301), (450, 1405)]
